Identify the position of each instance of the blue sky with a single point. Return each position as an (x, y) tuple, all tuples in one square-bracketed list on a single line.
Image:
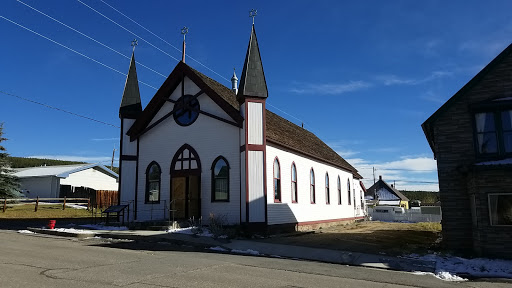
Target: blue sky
[(361, 75)]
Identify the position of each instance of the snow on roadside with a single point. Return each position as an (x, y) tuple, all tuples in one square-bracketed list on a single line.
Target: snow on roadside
[(447, 267), (26, 232), (72, 230), (218, 248), (102, 227), (248, 251), (191, 231)]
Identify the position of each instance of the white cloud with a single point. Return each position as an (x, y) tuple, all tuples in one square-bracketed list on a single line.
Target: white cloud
[(409, 172), (330, 88), (347, 153), (389, 80), (88, 159)]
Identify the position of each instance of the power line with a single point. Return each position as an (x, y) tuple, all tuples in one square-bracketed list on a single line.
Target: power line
[(192, 58), (58, 109), (72, 50), (90, 38), (127, 30)]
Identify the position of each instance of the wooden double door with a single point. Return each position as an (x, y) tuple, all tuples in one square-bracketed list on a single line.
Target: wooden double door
[(185, 197)]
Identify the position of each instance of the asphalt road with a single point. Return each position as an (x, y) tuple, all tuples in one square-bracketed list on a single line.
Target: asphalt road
[(46, 261)]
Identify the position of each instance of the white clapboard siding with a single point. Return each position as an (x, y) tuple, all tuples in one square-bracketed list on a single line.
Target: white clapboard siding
[(255, 123), (303, 210), (256, 188)]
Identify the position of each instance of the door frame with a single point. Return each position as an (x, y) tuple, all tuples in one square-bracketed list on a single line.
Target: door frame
[(185, 171)]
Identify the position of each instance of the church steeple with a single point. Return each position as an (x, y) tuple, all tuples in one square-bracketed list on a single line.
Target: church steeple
[(130, 104), (234, 82), (252, 83)]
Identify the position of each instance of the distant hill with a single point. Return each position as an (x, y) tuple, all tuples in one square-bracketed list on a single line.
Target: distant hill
[(423, 196), (22, 162)]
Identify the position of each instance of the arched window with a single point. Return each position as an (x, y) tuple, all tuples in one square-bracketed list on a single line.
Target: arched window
[(220, 180), (153, 177), (339, 191), (277, 181), (348, 190), (327, 192), (312, 186), (294, 183)]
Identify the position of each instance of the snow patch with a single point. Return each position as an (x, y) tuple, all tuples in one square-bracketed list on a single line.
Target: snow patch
[(446, 276), (447, 267), (72, 230), (26, 232), (218, 248), (101, 227), (191, 231), (75, 206), (248, 251)]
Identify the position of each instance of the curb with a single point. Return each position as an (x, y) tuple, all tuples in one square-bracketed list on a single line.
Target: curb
[(61, 233)]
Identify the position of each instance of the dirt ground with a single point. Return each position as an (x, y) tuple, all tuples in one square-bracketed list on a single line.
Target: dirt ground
[(370, 237)]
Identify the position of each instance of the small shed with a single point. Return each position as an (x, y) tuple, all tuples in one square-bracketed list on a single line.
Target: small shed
[(46, 181), (386, 195)]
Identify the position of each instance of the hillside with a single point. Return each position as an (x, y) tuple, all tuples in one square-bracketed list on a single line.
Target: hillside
[(22, 162), (423, 196)]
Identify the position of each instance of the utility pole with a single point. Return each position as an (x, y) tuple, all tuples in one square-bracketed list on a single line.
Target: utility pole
[(112, 163), (373, 174)]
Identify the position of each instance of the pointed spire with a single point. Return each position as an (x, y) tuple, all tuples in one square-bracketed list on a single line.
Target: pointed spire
[(130, 104), (234, 82), (252, 83)]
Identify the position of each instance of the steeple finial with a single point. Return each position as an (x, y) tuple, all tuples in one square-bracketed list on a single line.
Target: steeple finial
[(134, 43), (253, 13), (234, 82), (184, 32)]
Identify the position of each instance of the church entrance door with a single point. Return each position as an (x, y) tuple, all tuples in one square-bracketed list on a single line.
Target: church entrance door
[(186, 184)]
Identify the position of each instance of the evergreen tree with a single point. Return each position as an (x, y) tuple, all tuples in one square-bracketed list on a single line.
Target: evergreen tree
[(8, 182)]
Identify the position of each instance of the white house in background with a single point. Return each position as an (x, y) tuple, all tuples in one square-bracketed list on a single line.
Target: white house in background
[(46, 181), (200, 148)]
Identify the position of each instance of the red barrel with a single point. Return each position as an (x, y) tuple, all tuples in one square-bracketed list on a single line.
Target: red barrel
[(51, 224)]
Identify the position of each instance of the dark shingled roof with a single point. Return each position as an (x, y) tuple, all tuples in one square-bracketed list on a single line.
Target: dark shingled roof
[(382, 184), (130, 103), (252, 82), (283, 132)]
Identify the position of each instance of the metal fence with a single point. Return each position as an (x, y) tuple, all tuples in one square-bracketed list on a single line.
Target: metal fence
[(409, 215)]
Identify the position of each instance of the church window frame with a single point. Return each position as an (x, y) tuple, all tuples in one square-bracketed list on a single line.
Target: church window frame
[(339, 191), (312, 186), (277, 181), (220, 181), (349, 193), (151, 183), (294, 190), (327, 190)]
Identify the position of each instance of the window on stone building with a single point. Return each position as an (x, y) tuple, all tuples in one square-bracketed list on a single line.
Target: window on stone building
[(494, 133), (277, 181), (153, 176), (220, 180), (294, 183), (500, 209)]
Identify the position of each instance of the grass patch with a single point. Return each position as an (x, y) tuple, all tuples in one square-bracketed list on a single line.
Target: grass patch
[(45, 211)]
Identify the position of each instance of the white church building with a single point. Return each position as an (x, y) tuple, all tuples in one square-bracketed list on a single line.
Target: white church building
[(200, 148)]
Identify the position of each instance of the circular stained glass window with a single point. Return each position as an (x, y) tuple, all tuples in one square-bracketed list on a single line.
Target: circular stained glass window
[(186, 110)]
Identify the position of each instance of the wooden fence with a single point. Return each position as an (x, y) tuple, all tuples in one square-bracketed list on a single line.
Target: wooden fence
[(99, 198), (35, 202)]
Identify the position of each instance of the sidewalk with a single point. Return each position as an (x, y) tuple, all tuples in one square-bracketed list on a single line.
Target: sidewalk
[(253, 247)]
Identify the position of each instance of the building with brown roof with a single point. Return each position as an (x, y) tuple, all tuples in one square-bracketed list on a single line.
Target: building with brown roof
[(200, 148), (471, 137), (382, 193)]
